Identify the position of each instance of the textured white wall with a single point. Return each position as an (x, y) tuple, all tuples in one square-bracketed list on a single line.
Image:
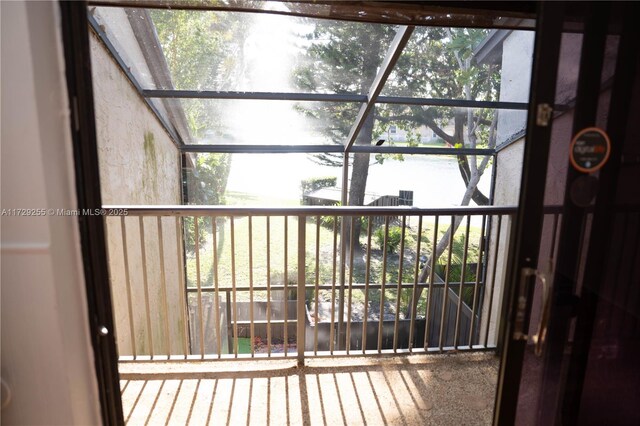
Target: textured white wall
[(139, 164), (515, 82), (47, 359), (517, 61)]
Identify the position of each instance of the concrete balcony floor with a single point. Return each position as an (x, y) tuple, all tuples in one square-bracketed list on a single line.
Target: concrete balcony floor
[(453, 389)]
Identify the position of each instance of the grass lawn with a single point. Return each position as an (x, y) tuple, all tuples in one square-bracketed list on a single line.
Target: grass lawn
[(265, 259)]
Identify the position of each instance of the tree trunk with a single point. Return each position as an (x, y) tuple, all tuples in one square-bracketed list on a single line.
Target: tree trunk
[(360, 167), (443, 243), (478, 197), (359, 175)]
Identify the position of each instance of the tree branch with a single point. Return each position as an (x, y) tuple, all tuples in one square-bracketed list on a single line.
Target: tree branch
[(424, 118)]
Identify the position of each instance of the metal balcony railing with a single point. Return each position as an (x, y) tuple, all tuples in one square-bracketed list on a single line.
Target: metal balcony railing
[(202, 283)]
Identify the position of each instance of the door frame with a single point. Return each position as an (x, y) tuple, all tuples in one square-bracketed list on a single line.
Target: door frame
[(93, 240), (603, 212), (525, 242), (75, 39), (562, 401)]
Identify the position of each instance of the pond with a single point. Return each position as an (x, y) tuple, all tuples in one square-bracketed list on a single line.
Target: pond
[(274, 179)]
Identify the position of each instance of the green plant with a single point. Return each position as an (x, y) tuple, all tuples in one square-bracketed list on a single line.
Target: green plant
[(394, 236), (210, 176), (190, 233), (455, 269), (313, 184)]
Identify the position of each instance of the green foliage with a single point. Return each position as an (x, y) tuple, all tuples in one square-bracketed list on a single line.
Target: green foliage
[(342, 57), (457, 255), (436, 63), (190, 233), (394, 237), (211, 173), (328, 221), (313, 184), (201, 50)]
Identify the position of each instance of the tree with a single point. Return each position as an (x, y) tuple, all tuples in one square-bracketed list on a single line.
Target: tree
[(203, 52), (343, 57), (437, 62)]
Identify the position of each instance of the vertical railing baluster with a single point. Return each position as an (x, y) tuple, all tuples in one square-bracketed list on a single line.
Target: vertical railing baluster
[(286, 289), (452, 326), (182, 289), (382, 284), (414, 293), (163, 281), (333, 285), (216, 284), (350, 293), (230, 345), (234, 295), (268, 286), (251, 301), (127, 279), (145, 282), (481, 249), (300, 294), (463, 270), (343, 265), (493, 280), (399, 288), (316, 290), (199, 284), (432, 274), (446, 285), (366, 286)]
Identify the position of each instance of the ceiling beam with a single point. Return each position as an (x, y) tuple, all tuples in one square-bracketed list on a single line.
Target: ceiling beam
[(261, 96), (425, 150), (262, 149), (329, 97)]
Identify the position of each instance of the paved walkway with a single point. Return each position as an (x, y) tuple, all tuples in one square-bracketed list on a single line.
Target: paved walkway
[(451, 389)]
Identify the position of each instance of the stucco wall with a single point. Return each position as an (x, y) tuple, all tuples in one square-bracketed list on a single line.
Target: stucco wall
[(517, 59), (506, 193), (139, 164), (515, 82)]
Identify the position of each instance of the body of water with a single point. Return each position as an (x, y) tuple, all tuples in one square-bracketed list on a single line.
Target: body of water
[(275, 178)]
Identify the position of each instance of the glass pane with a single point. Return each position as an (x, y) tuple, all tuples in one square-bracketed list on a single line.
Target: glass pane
[(249, 122), (464, 63), (116, 25), (445, 127), (262, 179), (432, 181), (264, 52), (531, 407)]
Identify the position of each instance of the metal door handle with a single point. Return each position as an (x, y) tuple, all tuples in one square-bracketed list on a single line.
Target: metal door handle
[(544, 277), (540, 337)]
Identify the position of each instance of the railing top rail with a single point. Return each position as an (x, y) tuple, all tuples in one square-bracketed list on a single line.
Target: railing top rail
[(190, 210)]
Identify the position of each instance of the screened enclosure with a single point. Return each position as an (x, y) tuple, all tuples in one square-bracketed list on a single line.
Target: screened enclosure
[(277, 117)]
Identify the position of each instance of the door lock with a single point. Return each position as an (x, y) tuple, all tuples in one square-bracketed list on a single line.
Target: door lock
[(544, 115)]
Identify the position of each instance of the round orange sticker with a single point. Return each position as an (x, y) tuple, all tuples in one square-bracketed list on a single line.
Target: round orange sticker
[(589, 150)]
